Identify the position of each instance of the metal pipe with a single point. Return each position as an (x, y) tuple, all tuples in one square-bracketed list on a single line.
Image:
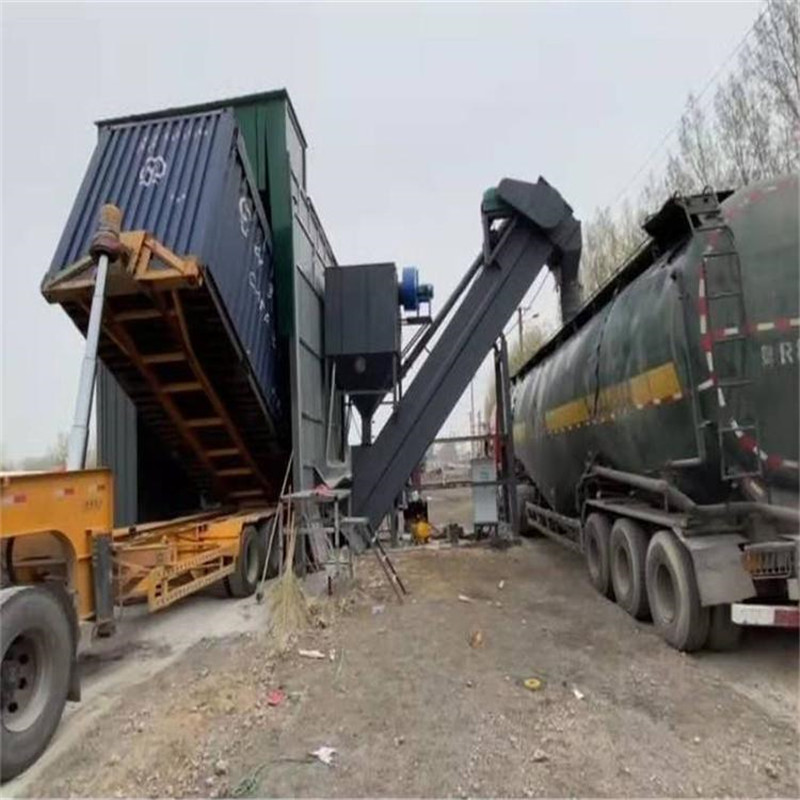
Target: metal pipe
[(567, 522), (79, 434), (780, 513), (440, 317), (330, 414), (366, 430), (686, 504), (657, 485), (556, 537)]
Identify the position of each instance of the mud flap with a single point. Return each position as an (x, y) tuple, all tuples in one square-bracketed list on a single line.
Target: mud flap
[(721, 576), (102, 568)]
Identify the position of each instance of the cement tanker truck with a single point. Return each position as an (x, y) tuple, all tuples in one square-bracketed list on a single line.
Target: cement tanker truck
[(657, 431)]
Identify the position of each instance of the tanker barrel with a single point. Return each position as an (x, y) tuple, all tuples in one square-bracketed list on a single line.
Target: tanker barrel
[(542, 205)]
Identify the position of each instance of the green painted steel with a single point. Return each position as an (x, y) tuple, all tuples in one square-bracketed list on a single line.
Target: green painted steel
[(633, 386), (275, 149), (268, 123), (264, 124)]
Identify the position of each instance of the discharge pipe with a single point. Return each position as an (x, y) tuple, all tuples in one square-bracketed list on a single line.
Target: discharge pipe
[(105, 246)]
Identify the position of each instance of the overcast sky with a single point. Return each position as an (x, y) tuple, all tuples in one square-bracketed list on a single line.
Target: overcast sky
[(410, 112)]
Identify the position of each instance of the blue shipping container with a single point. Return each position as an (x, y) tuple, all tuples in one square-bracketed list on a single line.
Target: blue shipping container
[(187, 181)]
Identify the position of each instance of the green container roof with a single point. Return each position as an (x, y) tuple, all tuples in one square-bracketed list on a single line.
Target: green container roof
[(264, 119)]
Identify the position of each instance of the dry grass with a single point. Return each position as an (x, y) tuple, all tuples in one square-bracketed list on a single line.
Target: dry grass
[(288, 603)]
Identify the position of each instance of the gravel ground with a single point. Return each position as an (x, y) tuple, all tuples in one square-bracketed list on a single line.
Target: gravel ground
[(427, 699)]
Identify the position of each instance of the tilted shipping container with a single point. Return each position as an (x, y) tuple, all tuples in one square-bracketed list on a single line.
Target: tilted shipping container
[(186, 181)]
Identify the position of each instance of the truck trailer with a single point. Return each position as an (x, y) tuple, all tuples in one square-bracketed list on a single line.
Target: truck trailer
[(657, 431)]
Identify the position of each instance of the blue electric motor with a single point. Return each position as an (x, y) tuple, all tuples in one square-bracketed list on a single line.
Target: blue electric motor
[(412, 292)]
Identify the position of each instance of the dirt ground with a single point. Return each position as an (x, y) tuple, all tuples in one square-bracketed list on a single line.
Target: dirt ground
[(413, 708)]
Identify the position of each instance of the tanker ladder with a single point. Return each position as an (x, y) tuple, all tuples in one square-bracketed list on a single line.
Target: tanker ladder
[(722, 309)]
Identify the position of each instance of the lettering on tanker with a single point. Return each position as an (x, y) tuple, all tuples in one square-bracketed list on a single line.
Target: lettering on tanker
[(780, 354)]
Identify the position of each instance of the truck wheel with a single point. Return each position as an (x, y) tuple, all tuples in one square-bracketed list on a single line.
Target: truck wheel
[(596, 538), (723, 632), (37, 647), (252, 552), (627, 554), (275, 554), (672, 591)]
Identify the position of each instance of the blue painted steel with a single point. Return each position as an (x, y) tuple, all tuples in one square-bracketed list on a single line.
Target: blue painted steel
[(186, 180), (412, 292), (408, 288)]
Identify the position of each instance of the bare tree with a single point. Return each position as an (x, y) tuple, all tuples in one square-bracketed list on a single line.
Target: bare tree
[(774, 56), (608, 241), (744, 131), (699, 155), (54, 458), (533, 337), (751, 132)]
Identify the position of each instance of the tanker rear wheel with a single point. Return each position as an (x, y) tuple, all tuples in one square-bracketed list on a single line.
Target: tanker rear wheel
[(628, 551), (723, 633), (673, 594), (596, 549)]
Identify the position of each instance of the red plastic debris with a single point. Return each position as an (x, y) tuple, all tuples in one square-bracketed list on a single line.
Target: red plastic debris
[(276, 697)]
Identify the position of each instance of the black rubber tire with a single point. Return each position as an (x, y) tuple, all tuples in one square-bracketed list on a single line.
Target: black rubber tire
[(596, 539), (723, 633), (276, 553), (252, 552), (673, 595), (34, 623), (627, 555)]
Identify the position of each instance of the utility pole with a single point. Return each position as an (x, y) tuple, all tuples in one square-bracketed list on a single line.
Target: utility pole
[(472, 417)]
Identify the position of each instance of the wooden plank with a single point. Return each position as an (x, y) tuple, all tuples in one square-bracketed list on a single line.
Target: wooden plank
[(183, 425), (204, 422), (179, 324), (223, 451), (136, 314), (164, 358), (182, 386), (234, 471)]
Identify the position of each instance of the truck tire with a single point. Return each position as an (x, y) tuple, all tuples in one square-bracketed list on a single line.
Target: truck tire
[(723, 633), (274, 554), (36, 642), (627, 555), (252, 552), (596, 539), (673, 595)]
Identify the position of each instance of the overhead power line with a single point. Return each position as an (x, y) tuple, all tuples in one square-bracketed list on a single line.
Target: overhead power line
[(672, 130)]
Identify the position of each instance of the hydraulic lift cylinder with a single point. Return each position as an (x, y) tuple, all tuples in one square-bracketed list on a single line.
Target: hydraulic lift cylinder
[(105, 245)]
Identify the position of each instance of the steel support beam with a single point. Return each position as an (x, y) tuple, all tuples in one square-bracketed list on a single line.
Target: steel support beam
[(535, 227)]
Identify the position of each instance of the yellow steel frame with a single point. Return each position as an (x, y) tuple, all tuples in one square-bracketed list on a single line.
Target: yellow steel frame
[(144, 259), (153, 272), (53, 516)]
